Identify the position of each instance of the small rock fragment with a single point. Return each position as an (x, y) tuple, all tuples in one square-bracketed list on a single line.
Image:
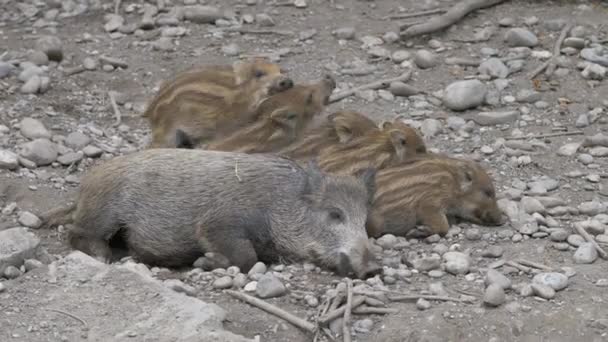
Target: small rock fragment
[(494, 295), (269, 286), (463, 95), (585, 254), (520, 37)]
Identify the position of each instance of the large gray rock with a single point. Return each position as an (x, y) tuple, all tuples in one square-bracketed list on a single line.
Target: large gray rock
[(463, 95), (8, 160), (141, 308), (16, 245), (40, 151), (520, 37), (495, 118)]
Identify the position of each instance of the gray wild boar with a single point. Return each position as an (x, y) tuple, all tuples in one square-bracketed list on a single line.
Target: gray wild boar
[(173, 205)]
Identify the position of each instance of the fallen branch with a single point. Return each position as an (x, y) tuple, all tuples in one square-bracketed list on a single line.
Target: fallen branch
[(550, 64), (582, 232), (373, 85), (374, 311), (69, 315), (534, 265), (413, 298), (347, 311), (117, 113), (254, 31), (357, 301), (453, 15), (73, 71), (550, 135), (476, 62), (518, 266), (260, 304), (117, 6), (414, 14)]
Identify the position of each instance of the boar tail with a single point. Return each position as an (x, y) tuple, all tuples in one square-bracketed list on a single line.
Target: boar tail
[(57, 216)]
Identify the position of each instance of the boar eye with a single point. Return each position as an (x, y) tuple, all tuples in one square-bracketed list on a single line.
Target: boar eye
[(402, 142), (336, 215), (291, 116), (310, 98), (259, 74), (489, 193)]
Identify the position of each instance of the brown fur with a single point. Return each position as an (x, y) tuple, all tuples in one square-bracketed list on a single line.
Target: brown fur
[(281, 119), (392, 143), (429, 190), (205, 101), (340, 128)]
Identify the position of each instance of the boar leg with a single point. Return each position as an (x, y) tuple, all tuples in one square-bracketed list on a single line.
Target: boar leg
[(435, 219), (239, 252), (93, 246)]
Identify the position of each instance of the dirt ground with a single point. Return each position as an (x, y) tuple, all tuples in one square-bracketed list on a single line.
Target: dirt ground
[(80, 101)]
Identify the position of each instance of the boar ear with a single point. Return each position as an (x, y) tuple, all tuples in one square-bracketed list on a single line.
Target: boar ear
[(466, 178), (313, 181), (183, 140), (368, 176)]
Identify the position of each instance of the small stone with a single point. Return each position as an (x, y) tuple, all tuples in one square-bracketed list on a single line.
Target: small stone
[(401, 55), (423, 304), (568, 149), (179, 286), (38, 58), (33, 129), (526, 290), (92, 151), (529, 228), (51, 46), (29, 220), (558, 235), (113, 22), (543, 291), (269, 286), (77, 140), (390, 37), (585, 254), (455, 123), (457, 262), (495, 277), (89, 63), (202, 14), (32, 85), (311, 301), (425, 59), (8, 160), (345, 33), (493, 252), (258, 268), (70, 158), (494, 295), (431, 127), (387, 241), (527, 96), (472, 234), (224, 282), (463, 95), (556, 281), (494, 68), (402, 89), (32, 264), (575, 240), (264, 20), (5, 69), (594, 72), (300, 3), (495, 118), (520, 37), (2, 287), (532, 205), (231, 50), (12, 272), (435, 274), (250, 286), (425, 263), (40, 151), (506, 22)]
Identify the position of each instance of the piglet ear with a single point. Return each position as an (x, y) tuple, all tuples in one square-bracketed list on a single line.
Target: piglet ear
[(465, 175), (368, 177)]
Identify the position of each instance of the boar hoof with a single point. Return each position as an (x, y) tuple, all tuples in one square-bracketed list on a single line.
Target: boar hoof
[(212, 261)]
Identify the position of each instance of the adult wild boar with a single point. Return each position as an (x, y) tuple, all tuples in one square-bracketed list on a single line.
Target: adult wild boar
[(173, 205)]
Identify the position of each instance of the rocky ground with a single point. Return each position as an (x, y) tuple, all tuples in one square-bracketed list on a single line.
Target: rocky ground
[(471, 93)]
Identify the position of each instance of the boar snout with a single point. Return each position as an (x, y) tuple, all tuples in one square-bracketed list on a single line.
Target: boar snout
[(359, 261), (280, 84)]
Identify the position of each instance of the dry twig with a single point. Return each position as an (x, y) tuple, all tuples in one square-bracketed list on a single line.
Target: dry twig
[(117, 113), (518, 266), (69, 315), (254, 31), (373, 85), (550, 135), (413, 298), (260, 304), (414, 14), (367, 310), (550, 64), (117, 6), (452, 16), (534, 265), (582, 232), (330, 316)]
